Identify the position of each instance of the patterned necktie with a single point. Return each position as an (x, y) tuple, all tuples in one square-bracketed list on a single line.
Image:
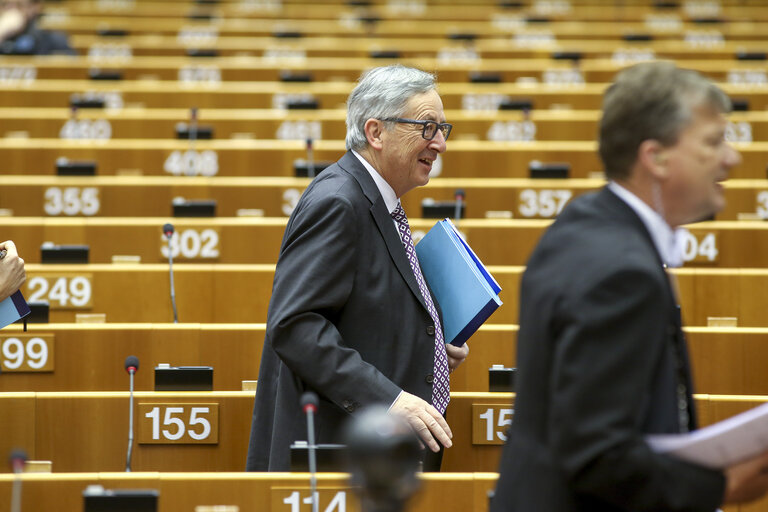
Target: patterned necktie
[(441, 394)]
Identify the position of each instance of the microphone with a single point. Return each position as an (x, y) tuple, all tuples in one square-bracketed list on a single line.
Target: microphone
[(310, 159), (17, 460), (309, 403), (131, 366), (168, 231), (459, 196), (192, 140)]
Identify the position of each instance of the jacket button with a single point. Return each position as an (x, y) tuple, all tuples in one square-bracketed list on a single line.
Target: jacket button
[(348, 405), (429, 379), (431, 330)]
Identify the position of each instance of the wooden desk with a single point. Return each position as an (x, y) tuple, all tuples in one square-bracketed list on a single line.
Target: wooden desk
[(442, 11), (23, 89), (413, 22), (251, 492), (82, 431), (151, 196), (275, 157), (238, 293), (89, 357), (252, 68), (494, 47), (724, 244), (160, 123)]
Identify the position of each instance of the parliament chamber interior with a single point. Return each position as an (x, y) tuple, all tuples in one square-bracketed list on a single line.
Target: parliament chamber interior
[(214, 116)]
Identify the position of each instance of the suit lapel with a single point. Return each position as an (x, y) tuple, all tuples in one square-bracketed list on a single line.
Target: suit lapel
[(384, 222), (621, 210)]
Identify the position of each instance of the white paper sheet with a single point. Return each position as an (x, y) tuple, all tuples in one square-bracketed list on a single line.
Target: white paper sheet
[(722, 444)]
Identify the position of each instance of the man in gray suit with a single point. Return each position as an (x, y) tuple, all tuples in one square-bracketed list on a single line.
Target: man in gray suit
[(601, 357), (350, 316)]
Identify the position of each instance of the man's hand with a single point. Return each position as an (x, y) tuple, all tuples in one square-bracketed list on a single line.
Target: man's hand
[(424, 420), (456, 355), (11, 23), (12, 274), (747, 481)]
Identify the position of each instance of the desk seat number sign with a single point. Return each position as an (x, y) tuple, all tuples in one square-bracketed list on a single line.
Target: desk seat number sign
[(26, 353), (299, 499), (178, 423), (490, 423), (62, 290)]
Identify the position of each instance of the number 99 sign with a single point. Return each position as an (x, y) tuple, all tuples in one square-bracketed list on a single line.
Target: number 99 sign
[(26, 353)]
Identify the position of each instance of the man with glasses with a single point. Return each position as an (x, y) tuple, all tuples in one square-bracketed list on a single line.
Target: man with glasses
[(351, 317)]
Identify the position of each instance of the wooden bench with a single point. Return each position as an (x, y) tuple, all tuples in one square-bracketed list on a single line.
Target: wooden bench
[(23, 89), (89, 357), (162, 123), (692, 44), (83, 432), (151, 196), (726, 244), (276, 492), (276, 158), (256, 68), (238, 293)]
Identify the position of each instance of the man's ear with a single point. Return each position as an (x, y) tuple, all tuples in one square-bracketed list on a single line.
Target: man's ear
[(373, 133), (653, 156)]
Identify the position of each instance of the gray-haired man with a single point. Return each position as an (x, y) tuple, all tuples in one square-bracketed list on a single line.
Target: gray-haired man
[(350, 316)]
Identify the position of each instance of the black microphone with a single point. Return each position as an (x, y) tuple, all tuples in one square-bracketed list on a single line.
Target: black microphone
[(383, 459), (310, 159), (17, 460), (131, 366), (459, 196), (309, 403), (168, 231)]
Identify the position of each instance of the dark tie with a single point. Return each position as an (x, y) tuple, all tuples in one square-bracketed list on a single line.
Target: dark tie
[(441, 393)]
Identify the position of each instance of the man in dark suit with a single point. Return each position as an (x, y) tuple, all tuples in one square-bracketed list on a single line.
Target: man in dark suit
[(21, 35), (601, 357), (350, 317)]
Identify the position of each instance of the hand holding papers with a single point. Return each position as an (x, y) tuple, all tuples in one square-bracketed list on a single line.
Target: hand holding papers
[(13, 307), (465, 290), (721, 445)]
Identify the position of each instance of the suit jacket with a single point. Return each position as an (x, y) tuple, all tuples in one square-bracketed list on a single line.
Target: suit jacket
[(599, 347), (346, 318)]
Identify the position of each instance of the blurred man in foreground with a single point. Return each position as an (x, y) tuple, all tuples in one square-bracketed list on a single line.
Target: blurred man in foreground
[(602, 361)]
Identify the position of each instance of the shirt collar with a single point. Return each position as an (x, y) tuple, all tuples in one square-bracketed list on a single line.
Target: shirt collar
[(668, 242), (387, 192)]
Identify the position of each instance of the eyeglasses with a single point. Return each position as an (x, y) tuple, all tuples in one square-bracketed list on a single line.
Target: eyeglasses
[(429, 127)]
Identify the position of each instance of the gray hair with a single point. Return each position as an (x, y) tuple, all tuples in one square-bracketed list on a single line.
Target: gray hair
[(382, 93), (651, 101)]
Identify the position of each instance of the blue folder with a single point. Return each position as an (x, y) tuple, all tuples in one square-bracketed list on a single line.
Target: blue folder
[(13, 308), (465, 290)]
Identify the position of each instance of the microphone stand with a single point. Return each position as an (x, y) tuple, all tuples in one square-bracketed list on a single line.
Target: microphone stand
[(131, 366), (309, 403), (18, 459), (459, 195), (192, 136), (168, 230), (310, 159), (131, 371)]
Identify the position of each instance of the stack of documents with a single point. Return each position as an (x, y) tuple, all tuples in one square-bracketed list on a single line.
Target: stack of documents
[(12, 309), (465, 290)]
